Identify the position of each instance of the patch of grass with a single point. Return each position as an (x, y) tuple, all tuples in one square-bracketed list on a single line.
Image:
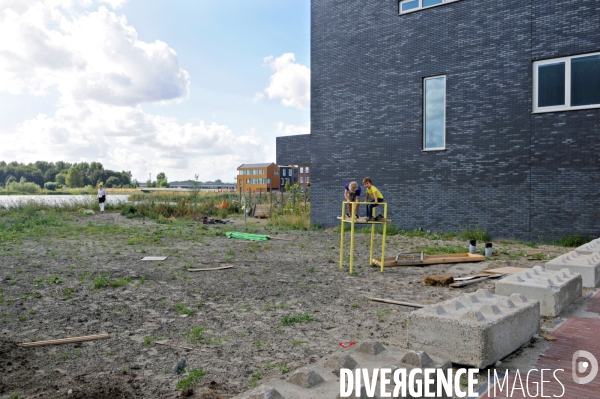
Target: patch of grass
[(103, 280), (382, 314), (67, 293), (192, 379), (40, 281), (473, 233), (288, 320), (151, 338), (355, 306), (255, 379), (23, 318), (290, 222), (572, 240), (258, 343), (142, 280), (284, 368), (195, 335), (200, 304), (15, 395), (298, 342), (443, 249), (539, 256), (278, 293), (110, 352), (181, 309), (311, 269)]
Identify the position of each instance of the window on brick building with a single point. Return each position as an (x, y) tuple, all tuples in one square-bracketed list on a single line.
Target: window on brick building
[(407, 6), (434, 113), (567, 83)]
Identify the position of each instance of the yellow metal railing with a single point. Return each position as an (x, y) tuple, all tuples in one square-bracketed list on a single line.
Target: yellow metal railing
[(352, 221)]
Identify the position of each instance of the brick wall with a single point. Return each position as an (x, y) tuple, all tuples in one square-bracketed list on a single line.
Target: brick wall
[(293, 150), (514, 173)]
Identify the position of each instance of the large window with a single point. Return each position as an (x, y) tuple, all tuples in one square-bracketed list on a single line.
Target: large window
[(407, 6), (566, 83), (434, 113)]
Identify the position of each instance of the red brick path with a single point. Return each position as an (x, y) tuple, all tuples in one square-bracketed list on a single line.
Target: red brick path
[(573, 335)]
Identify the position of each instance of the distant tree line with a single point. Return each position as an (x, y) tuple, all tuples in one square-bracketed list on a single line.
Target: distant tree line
[(52, 175)]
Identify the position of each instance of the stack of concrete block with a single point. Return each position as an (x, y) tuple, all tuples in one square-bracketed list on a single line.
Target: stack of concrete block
[(475, 329), (555, 290), (322, 379), (589, 248), (586, 265)]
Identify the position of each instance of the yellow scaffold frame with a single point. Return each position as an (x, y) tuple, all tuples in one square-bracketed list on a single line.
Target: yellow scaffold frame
[(352, 221)]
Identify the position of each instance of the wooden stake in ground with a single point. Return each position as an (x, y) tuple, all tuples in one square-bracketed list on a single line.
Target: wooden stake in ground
[(412, 305), (477, 280), (209, 269), (64, 340)]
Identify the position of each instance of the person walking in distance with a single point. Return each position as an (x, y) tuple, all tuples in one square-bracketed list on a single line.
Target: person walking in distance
[(101, 197)]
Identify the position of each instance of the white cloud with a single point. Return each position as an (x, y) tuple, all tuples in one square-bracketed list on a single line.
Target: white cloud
[(290, 82), (93, 55), (103, 74), (134, 140), (289, 130)]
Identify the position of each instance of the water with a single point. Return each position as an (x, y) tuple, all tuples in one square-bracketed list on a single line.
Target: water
[(10, 201)]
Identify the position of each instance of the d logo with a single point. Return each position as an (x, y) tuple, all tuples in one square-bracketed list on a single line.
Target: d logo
[(583, 366)]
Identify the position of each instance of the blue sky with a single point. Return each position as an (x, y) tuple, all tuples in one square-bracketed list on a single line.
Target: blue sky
[(181, 86)]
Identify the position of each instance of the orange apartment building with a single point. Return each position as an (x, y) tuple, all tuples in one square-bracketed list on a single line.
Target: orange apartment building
[(258, 177)]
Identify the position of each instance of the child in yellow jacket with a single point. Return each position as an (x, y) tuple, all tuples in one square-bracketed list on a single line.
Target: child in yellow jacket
[(375, 196)]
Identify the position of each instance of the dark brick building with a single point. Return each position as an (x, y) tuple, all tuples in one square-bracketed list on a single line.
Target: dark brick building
[(295, 150), (508, 143)]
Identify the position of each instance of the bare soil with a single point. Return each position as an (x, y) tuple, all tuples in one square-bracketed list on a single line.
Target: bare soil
[(47, 288)]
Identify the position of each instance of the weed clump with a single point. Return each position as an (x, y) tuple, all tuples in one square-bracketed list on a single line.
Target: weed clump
[(288, 319), (192, 379)]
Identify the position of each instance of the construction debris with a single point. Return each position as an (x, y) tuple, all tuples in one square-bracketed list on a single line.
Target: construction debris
[(438, 280), (411, 305), (476, 280), (411, 260), (209, 269), (505, 270), (155, 258), (64, 340), (548, 337)]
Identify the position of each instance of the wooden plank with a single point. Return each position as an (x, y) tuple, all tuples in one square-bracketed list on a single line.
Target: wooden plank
[(64, 340), (390, 261), (209, 269), (412, 305), (505, 270), (548, 337), (474, 281)]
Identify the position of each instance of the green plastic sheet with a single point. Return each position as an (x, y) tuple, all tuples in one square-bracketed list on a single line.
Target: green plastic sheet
[(246, 236)]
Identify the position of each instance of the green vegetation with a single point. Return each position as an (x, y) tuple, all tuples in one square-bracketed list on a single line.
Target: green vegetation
[(288, 320), (476, 233), (192, 379), (442, 249), (382, 315), (103, 280), (298, 342), (151, 338), (284, 368), (572, 240), (181, 309), (255, 379)]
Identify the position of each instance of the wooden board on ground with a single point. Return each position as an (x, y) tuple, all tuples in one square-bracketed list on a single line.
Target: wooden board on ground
[(505, 270), (64, 340), (155, 258), (431, 260), (477, 280), (363, 220), (209, 269), (262, 211)]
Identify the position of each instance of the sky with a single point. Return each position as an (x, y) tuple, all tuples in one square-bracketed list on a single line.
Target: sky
[(183, 87)]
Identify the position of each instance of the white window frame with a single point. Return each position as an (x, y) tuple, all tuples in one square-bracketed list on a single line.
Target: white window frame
[(420, 7), (566, 106), (424, 105)]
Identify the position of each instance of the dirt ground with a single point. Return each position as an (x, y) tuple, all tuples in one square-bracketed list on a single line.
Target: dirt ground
[(232, 318)]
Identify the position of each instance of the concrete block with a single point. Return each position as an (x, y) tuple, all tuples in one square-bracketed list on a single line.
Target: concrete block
[(339, 361), (263, 392), (555, 290), (306, 378), (586, 265), (475, 329), (371, 348), (589, 248)]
